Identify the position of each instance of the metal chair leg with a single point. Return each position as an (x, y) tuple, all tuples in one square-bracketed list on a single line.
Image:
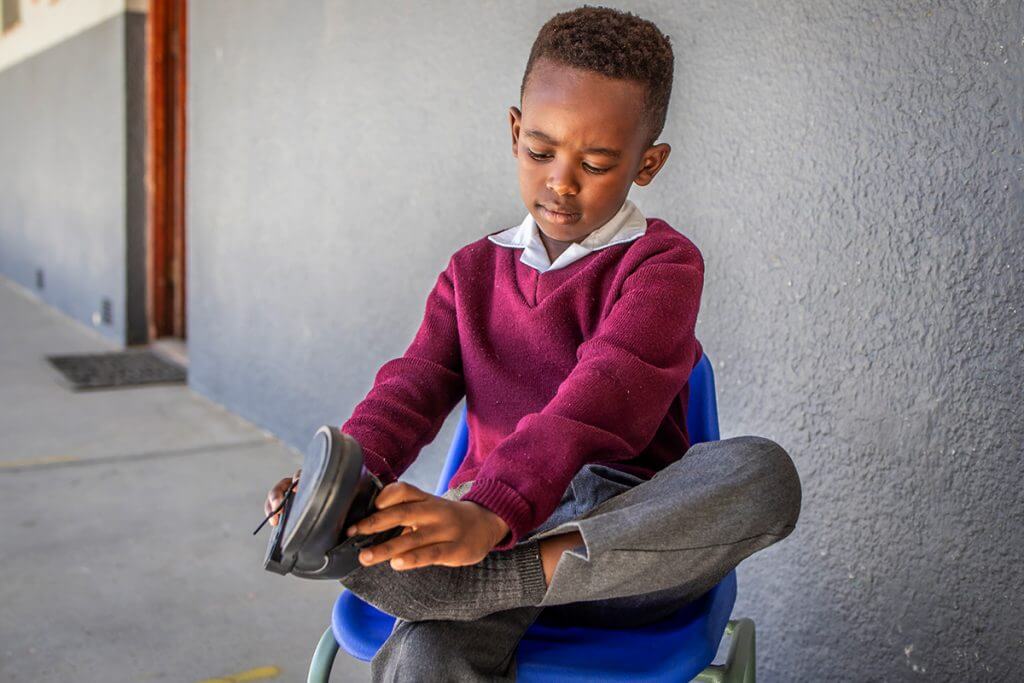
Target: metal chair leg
[(741, 662), (323, 658)]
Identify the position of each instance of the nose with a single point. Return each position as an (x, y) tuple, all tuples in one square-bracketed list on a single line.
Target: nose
[(562, 181)]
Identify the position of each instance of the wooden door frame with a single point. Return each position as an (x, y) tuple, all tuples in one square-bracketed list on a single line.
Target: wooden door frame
[(166, 52)]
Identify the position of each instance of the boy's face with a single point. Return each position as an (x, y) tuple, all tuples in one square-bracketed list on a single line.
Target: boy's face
[(580, 142)]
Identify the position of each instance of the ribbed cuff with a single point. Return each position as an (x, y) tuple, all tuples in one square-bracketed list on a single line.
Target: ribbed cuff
[(507, 503), (530, 568)]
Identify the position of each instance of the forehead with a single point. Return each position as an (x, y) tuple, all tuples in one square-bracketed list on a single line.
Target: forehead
[(580, 106)]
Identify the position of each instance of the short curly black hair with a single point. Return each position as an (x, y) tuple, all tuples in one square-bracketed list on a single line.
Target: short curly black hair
[(613, 43)]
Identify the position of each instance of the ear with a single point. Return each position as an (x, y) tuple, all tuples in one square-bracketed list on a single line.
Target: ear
[(514, 118), (651, 162)]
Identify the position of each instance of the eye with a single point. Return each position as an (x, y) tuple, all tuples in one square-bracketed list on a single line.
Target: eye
[(537, 156)]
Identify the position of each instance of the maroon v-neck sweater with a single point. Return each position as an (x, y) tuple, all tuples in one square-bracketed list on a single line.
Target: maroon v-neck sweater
[(585, 364)]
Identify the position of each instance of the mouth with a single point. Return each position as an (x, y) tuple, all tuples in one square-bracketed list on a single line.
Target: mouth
[(561, 216)]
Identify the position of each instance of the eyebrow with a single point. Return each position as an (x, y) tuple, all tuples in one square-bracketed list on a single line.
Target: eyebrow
[(544, 137)]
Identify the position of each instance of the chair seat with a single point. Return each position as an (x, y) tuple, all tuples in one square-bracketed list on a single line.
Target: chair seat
[(676, 648)]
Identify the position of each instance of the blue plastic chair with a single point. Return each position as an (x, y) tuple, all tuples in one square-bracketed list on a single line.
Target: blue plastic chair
[(677, 648)]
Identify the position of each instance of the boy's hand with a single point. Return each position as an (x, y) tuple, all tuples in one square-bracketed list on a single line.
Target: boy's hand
[(438, 531), (276, 494)]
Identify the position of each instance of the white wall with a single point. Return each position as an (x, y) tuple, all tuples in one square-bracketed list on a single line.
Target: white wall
[(45, 24)]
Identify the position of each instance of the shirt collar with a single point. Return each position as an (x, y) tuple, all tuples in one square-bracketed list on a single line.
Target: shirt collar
[(625, 226)]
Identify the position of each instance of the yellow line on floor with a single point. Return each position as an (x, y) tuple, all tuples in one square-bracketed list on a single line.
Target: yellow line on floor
[(258, 674), (35, 462)]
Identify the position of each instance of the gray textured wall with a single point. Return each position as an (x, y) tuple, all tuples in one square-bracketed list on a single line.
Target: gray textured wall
[(70, 192), (853, 175)]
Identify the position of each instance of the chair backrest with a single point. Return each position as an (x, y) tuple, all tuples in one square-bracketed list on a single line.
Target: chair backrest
[(701, 421), (702, 406)]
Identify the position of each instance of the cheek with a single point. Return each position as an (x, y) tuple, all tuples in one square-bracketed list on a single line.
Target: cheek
[(606, 187), (531, 175), (605, 195)]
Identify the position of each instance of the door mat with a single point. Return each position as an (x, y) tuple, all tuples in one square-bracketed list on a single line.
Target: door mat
[(120, 368)]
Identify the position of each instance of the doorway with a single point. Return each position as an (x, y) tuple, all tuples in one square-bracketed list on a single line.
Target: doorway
[(166, 36)]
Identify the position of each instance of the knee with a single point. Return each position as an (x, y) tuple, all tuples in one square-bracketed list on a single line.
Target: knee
[(425, 638), (443, 650), (775, 484), (409, 653)]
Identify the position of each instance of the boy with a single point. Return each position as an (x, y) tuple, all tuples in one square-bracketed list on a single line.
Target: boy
[(572, 338)]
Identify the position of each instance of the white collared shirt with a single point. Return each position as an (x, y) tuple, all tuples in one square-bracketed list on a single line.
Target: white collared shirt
[(625, 226)]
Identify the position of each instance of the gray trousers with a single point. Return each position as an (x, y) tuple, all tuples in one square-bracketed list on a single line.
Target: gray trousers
[(649, 548)]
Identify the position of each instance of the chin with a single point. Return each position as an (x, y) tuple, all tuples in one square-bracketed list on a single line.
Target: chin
[(556, 234), (561, 233)]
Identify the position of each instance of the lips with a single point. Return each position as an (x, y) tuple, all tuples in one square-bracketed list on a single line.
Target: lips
[(560, 209), (558, 214)]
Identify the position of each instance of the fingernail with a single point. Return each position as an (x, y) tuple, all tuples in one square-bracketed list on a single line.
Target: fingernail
[(398, 562), (351, 531), (366, 555)]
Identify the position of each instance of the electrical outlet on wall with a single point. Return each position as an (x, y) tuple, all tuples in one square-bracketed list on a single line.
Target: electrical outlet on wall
[(105, 315)]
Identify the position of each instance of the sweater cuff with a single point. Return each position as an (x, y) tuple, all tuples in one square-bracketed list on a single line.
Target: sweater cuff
[(507, 503)]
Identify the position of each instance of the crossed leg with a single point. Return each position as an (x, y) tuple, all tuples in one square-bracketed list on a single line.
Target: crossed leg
[(458, 651), (672, 537)]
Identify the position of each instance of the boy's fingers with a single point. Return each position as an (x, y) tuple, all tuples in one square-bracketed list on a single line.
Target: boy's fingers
[(436, 553), (414, 514), (277, 492), (399, 492), (276, 495), (396, 546)]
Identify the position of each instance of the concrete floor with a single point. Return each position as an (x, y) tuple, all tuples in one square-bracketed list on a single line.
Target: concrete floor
[(127, 547)]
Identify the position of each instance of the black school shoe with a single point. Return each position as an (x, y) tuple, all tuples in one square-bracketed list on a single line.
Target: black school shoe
[(335, 491)]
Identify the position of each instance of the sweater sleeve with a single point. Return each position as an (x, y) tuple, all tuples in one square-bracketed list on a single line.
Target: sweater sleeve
[(611, 404), (413, 394)]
